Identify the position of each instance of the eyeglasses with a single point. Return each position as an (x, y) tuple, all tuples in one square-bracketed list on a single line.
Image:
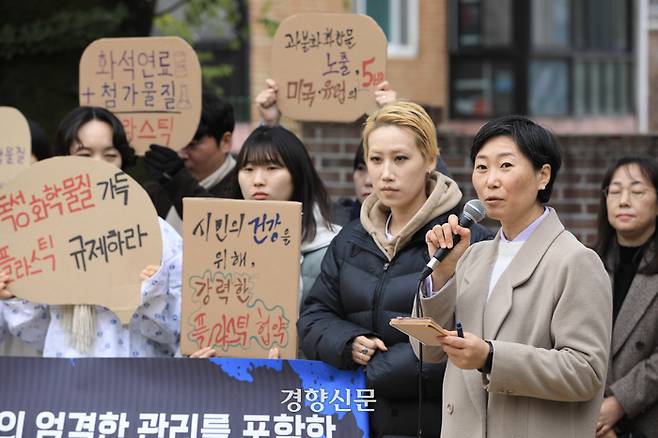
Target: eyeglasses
[(636, 193)]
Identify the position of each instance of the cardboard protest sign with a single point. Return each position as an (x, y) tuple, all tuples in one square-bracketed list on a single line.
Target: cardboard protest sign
[(153, 85), (328, 65), (15, 144), (240, 276), (77, 231)]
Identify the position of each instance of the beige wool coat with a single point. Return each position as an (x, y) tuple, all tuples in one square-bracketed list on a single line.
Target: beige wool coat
[(549, 318)]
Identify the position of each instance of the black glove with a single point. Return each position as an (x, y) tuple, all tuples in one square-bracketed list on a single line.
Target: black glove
[(162, 163)]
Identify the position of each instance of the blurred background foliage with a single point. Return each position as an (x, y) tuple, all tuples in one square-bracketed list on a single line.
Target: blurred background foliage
[(41, 43)]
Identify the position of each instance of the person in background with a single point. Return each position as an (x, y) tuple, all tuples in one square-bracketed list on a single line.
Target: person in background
[(535, 303), (203, 168), (345, 210), (369, 274), (627, 244), (40, 145), (11, 345), (95, 331), (273, 165)]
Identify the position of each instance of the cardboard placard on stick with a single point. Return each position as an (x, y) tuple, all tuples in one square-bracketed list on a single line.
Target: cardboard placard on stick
[(77, 231), (240, 276), (15, 144), (328, 65), (152, 84)]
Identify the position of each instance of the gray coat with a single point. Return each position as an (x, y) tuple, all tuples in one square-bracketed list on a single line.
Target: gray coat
[(633, 369)]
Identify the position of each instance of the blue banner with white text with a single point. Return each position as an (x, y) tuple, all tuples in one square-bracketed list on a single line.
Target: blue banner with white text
[(175, 398)]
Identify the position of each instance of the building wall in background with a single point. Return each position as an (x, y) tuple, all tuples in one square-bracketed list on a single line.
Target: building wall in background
[(422, 78), (575, 195)]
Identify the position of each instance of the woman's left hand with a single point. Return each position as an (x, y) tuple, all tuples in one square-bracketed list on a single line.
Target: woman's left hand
[(611, 412), (4, 282), (467, 353), (148, 272)]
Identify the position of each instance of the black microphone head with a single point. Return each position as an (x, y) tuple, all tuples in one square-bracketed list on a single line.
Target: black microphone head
[(474, 212)]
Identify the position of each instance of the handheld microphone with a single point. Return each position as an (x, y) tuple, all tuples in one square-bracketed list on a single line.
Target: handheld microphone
[(474, 212)]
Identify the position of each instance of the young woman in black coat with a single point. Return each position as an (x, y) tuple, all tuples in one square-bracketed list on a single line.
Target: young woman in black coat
[(370, 272)]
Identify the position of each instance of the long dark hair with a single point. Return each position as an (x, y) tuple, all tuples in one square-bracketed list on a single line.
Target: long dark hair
[(275, 144), (67, 132), (607, 236)]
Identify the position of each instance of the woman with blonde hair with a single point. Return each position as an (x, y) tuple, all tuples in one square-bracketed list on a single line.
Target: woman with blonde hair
[(369, 274)]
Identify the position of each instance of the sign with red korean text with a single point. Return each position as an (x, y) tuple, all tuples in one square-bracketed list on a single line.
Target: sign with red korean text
[(15, 144), (240, 276), (328, 65), (77, 231), (152, 84)]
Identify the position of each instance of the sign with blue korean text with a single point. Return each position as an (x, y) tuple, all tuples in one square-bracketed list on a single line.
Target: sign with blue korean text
[(181, 398), (15, 144), (240, 276), (152, 84), (77, 231), (328, 65)]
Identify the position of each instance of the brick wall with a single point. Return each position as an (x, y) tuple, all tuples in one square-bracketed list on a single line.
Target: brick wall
[(575, 195)]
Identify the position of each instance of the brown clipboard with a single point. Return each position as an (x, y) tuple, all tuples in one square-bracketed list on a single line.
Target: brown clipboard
[(425, 330)]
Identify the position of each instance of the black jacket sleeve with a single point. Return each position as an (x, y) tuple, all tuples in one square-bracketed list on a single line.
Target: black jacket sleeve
[(394, 373), (182, 185), (325, 334), (480, 233)]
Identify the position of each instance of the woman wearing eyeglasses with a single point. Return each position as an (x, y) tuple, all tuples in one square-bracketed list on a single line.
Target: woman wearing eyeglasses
[(627, 242)]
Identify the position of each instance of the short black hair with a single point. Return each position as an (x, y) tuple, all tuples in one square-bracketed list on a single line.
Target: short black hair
[(67, 132), (217, 117), (40, 145), (359, 157), (535, 142), (606, 235), (275, 144)]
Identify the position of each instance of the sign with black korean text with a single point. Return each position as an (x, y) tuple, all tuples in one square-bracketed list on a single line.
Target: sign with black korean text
[(15, 144), (240, 276), (181, 398), (152, 84), (328, 65), (77, 231)]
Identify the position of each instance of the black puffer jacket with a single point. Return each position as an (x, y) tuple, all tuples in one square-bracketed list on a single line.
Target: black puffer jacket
[(358, 292)]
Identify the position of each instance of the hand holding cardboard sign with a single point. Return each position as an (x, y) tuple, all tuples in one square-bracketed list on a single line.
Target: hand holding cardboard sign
[(385, 94), (266, 102), (148, 272), (4, 282), (204, 353)]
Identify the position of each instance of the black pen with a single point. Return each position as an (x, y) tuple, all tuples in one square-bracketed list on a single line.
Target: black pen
[(460, 330)]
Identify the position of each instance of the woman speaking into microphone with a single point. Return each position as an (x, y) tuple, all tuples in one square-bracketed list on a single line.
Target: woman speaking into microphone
[(534, 303)]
